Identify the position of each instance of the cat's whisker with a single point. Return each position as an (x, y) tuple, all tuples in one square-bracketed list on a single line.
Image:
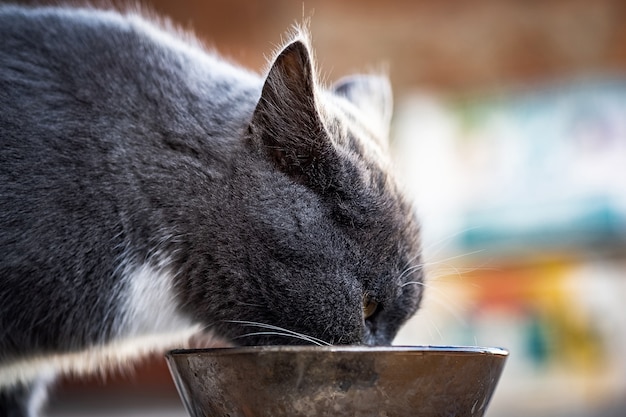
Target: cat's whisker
[(441, 298), (446, 239), (410, 261), (448, 270), (447, 305), (278, 334), (456, 271), (433, 325), (311, 339), (453, 275), (444, 267), (459, 256), (444, 300), (426, 265), (459, 271), (421, 284), (481, 266), (410, 270)]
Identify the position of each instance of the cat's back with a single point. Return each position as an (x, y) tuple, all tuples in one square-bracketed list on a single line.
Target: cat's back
[(67, 62), (87, 96), (100, 113), (91, 99)]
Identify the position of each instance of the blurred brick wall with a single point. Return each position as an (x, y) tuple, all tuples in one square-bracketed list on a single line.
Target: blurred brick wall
[(449, 45)]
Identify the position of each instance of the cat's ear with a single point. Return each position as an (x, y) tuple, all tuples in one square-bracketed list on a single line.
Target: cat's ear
[(372, 95), (286, 123)]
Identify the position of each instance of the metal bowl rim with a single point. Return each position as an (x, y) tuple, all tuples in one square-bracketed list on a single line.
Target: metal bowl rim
[(422, 350)]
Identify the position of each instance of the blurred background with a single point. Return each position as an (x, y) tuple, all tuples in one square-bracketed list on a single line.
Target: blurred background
[(510, 133)]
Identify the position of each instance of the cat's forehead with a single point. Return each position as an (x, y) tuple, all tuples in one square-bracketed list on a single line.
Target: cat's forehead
[(365, 145), (374, 189)]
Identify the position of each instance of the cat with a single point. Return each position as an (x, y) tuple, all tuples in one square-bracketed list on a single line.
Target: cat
[(151, 190)]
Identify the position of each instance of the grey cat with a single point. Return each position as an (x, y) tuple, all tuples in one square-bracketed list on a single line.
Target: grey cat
[(150, 190)]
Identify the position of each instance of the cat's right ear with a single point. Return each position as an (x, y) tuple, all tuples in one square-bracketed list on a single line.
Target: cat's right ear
[(286, 125), (371, 94)]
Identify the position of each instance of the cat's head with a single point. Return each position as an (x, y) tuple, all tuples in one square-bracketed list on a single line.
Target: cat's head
[(329, 245)]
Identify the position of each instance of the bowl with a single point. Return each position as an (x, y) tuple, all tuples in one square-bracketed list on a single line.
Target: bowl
[(355, 381)]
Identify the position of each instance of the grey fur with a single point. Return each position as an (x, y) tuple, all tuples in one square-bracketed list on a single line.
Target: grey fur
[(269, 199)]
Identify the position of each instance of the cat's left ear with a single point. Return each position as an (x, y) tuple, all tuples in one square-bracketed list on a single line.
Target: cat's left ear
[(372, 95), (286, 124)]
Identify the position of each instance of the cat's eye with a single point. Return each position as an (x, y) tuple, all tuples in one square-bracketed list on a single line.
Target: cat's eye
[(369, 306)]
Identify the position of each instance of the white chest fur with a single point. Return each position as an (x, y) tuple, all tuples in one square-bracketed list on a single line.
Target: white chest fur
[(150, 322)]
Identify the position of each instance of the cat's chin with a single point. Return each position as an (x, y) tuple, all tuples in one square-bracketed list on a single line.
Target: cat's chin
[(103, 358)]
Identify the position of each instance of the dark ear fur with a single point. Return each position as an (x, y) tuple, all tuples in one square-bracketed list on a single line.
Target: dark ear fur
[(286, 123)]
